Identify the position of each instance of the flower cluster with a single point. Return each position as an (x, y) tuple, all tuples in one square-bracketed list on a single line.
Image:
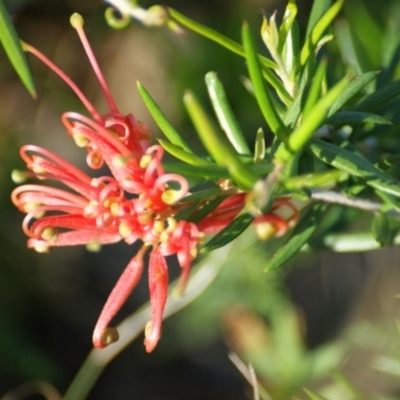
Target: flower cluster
[(139, 201)]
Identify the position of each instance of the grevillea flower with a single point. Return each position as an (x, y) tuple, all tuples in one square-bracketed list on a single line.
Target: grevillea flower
[(135, 203), (138, 201)]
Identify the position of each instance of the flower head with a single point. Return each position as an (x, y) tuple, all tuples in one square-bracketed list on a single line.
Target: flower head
[(138, 201)]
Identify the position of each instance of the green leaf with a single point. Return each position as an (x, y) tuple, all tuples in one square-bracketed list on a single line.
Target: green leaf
[(379, 97), (215, 36), (291, 50), (389, 202), (229, 233), (217, 145), (313, 120), (259, 147), (313, 395), (13, 48), (354, 86), (345, 42), (262, 95), (294, 110), (300, 235), (184, 156), (327, 178), (206, 209), (355, 165), (365, 27), (214, 172), (319, 8), (226, 117), (381, 230), (315, 89), (387, 162), (291, 168), (236, 48), (201, 194), (312, 39), (161, 120), (287, 22), (354, 117)]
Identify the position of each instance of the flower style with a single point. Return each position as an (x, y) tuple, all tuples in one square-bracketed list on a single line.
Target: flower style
[(139, 201)]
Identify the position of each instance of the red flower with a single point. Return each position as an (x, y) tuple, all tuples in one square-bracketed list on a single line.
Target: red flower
[(136, 202)]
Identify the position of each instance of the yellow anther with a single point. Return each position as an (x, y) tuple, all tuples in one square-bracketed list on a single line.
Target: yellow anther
[(156, 16), (30, 206), (148, 204), (114, 208), (42, 248), (170, 197), (265, 230), (37, 169), (164, 237), (159, 226), (193, 253), (144, 218), (49, 234), (39, 215), (145, 161), (18, 176), (172, 223), (107, 203), (93, 247), (80, 140), (124, 230), (76, 20)]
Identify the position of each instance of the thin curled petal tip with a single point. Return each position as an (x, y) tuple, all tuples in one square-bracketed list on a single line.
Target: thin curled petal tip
[(103, 338)]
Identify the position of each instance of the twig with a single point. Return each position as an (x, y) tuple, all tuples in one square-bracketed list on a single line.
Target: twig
[(331, 196)]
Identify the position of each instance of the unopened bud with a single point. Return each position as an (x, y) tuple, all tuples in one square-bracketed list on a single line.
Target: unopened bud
[(156, 16), (270, 34)]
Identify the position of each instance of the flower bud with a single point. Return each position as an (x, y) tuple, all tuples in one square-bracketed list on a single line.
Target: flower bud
[(270, 34)]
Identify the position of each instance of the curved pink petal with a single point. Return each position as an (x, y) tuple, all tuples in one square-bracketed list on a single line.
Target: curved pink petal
[(158, 284), (103, 335)]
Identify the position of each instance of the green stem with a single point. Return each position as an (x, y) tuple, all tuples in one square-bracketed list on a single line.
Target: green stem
[(84, 380)]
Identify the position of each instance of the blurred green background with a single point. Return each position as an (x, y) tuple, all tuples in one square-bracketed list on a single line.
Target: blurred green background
[(342, 304)]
